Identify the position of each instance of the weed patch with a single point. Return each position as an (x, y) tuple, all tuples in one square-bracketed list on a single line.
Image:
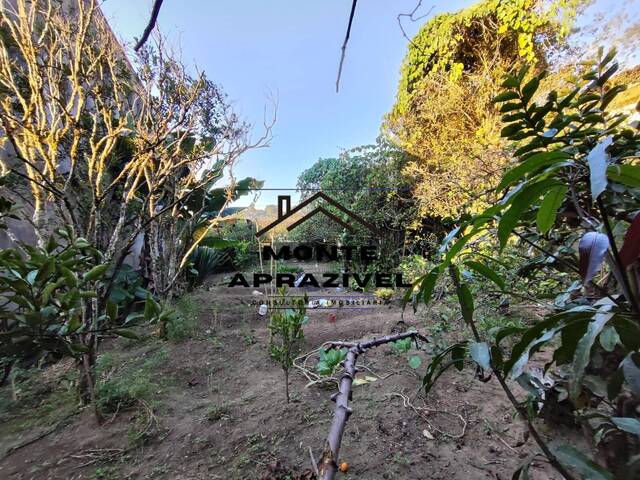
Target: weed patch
[(184, 323), (122, 386)]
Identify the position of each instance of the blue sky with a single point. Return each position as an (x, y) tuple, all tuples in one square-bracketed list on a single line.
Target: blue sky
[(289, 49)]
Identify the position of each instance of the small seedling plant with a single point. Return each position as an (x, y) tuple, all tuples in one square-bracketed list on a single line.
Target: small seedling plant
[(402, 347), (286, 335), (330, 360)]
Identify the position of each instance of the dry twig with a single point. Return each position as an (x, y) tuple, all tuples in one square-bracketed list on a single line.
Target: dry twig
[(344, 44), (155, 11), (413, 19), (420, 412)]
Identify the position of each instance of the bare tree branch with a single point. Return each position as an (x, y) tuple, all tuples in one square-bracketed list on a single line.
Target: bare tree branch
[(342, 412), (344, 44), (155, 11), (413, 18)]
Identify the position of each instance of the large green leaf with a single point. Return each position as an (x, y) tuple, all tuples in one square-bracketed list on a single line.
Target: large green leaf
[(457, 247), (434, 370), (486, 272), (578, 461), (609, 338), (628, 330), (69, 277), (466, 302), (505, 96), (583, 351), (95, 273), (529, 89), (428, 284), (151, 308), (549, 207), (539, 334), (534, 162), (520, 203), (126, 333), (631, 425), (628, 175), (112, 310), (464, 296), (608, 97)]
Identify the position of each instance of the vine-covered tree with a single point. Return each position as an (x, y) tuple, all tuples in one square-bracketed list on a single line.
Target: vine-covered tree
[(443, 113)]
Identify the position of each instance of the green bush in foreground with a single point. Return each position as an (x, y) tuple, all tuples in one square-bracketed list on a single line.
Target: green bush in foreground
[(573, 198)]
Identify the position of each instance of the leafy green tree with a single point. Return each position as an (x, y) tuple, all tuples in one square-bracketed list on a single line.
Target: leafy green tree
[(369, 181), (285, 326), (45, 293), (123, 145), (43, 297), (573, 197)]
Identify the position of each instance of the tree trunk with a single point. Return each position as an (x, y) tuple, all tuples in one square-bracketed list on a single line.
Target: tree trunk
[(286, 384), (7, 372), (157, 277), (87, 362), (87, 382), (170, 241)]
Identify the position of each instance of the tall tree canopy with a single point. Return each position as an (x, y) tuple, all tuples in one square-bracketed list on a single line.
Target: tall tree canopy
[(369, 181), (443, 113)]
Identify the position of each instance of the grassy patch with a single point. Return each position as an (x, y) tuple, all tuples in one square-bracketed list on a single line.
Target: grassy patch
[(217, 412), (121, 386), (184, 322), (105, 473), (31, 400), (284, 268)]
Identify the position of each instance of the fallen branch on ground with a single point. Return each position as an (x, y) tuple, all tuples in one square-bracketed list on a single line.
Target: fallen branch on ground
[(342, 412), (315, 379)]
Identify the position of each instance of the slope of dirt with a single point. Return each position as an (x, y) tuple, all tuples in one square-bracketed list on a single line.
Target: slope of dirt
[(220, 413)]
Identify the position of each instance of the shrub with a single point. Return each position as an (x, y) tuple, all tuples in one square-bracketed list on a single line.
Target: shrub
[(286, 334), (121, 386), (281, 268), (183, 323), (385, 294), (573, 198), (204, 262)]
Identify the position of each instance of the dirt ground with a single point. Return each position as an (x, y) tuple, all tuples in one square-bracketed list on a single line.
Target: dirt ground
[(220, 412)]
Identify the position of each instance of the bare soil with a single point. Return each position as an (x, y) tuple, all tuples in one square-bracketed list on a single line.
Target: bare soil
[(220, 411)]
